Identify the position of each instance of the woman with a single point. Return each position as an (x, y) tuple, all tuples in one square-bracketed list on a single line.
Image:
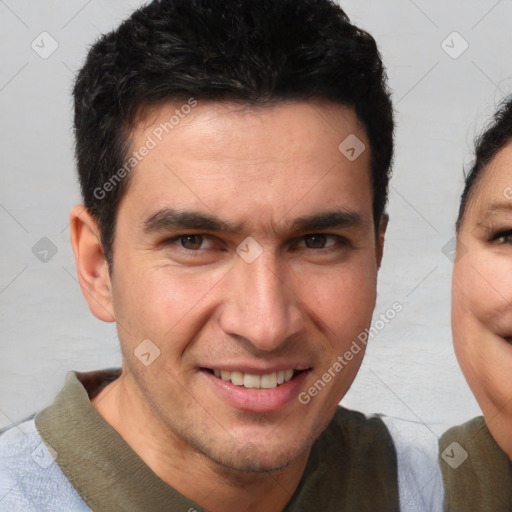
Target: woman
[(476, 456)]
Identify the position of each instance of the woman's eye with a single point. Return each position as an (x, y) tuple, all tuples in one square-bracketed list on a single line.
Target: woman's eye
[(320, 241), (504, 238), (501, 237)]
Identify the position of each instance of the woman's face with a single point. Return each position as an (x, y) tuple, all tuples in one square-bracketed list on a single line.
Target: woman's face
[(482, 296)]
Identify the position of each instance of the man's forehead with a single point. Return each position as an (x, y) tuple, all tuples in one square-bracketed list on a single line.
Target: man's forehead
[(281, 165), (209, 117), (309, 133)]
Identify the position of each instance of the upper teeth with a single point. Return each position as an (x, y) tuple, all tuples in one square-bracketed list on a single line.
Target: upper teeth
[(267, 381)]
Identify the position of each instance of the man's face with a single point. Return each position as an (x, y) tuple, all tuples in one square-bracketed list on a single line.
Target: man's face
[(232, 316)]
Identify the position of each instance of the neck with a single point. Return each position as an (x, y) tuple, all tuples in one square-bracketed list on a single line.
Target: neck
[(188, 471)]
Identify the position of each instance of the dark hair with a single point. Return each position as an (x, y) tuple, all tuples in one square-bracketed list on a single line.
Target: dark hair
[(258, 53), (487, 145)]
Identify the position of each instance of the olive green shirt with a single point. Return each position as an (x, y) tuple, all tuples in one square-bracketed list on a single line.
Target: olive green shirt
[(477, 475), (352, 466)]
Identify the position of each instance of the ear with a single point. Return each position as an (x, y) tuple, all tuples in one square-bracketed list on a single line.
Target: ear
[(381, 233), (91, 265)]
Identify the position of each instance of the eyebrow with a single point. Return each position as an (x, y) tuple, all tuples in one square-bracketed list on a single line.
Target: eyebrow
[(167, 219), (498, 207), (335, 219)]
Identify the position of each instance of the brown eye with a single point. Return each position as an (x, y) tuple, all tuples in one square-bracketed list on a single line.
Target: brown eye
[(191, 242), (315, 241), (503, 237)]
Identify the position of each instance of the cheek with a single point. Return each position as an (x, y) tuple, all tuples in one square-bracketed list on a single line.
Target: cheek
[(481, 315), (163, 303), (343, 299), (482, 291), (470, 308), (157, 303)]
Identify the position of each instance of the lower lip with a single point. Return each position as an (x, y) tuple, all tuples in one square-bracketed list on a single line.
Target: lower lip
[(258, 400)]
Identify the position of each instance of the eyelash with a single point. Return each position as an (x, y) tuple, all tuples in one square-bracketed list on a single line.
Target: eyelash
[(341, 241), (176, 239), (502, 234)]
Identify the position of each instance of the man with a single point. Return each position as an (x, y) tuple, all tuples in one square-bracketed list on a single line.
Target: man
[(234, 159)]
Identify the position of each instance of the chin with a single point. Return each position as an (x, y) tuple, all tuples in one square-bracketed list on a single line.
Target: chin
[(262, 454), (254, 457), (253, 461)]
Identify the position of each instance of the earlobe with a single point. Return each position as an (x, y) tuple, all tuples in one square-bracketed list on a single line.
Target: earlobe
[(381, 234), (91, 265)]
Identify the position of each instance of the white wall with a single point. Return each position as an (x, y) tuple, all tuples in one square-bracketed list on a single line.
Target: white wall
[(410, 370)]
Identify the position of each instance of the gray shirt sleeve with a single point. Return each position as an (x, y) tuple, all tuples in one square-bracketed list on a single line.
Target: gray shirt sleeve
[(419, 475)]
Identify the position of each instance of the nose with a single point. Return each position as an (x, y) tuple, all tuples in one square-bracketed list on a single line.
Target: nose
[(261, 305)]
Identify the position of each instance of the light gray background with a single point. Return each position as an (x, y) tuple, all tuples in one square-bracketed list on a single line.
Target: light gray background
[(410, 370)]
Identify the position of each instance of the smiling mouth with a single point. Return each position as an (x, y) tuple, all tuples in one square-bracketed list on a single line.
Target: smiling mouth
[(251, 381)]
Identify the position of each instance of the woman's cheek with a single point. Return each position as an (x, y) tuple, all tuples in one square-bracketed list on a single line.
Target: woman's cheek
[(484, 285)]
